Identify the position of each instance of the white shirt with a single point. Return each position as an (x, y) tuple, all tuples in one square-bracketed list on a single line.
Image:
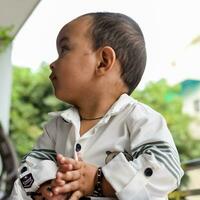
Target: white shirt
[(129, 126)]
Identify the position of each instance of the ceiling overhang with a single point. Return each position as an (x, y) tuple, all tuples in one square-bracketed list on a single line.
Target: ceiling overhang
[(15, 13)]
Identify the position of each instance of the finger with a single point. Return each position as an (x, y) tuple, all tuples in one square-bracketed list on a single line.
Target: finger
[(37, 197), (76, 164), (60, 159), (70, 161), (66, 177), (59, 197), (45, 191), (79, 157), (76, 195), (65, 167), (57, 182), (71, 175), (73, 164), (68, 187), (47, 195)]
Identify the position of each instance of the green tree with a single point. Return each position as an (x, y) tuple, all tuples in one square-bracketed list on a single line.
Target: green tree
[(5, 37)]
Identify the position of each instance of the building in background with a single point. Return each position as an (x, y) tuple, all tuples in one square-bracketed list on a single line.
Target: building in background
[(190, 91)]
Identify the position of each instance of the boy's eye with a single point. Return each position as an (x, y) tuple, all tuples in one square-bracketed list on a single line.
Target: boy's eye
[(64, 49)]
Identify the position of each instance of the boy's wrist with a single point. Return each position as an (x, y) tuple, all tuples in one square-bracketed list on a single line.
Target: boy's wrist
[(98, 187), (107, 188), (102, 186)]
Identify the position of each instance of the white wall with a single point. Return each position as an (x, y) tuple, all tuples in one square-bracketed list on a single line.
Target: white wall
[(189, 102), (5, 87)]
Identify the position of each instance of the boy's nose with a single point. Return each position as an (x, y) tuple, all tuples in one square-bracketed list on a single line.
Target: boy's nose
[(52, 65)]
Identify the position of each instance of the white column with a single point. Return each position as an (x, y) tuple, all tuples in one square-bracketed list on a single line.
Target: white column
[(5, 87)]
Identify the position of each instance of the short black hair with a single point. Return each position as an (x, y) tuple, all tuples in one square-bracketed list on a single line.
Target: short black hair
[(124, 35)]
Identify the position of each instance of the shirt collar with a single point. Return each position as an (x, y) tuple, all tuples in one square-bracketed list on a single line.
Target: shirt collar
[(122, 102), (71, 115)]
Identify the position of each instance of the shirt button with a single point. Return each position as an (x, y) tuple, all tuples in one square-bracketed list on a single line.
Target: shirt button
[(24, 169), (78, 147), (148, 172)]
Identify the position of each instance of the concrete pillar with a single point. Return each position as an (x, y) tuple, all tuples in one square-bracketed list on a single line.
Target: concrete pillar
[(5, 87)]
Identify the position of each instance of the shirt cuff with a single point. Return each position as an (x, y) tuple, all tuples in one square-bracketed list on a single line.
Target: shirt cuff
[(35, 172), (119, 173)]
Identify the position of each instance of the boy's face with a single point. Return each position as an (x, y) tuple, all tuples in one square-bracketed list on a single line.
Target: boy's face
[(73, 71)]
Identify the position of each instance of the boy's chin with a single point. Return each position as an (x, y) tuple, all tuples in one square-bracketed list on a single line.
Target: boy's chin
[(59, 95), (62, 97)]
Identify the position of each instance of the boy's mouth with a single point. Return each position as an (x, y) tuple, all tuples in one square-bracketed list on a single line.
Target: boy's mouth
[(52, 77)]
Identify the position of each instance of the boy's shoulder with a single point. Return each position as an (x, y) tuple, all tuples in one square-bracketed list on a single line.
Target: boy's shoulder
[(139, 109), (143, 114)]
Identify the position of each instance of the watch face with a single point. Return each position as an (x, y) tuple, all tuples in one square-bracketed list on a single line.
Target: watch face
[(111, 155)]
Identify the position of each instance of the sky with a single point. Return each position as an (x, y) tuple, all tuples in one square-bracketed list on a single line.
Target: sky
[(169, 26)]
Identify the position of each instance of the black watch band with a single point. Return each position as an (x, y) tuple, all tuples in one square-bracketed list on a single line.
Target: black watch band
[(98, 190)]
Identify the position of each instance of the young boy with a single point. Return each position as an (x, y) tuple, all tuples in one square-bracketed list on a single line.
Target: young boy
[(108, 145)]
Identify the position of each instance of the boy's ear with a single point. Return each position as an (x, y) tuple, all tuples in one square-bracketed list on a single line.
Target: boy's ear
[(107, 58)]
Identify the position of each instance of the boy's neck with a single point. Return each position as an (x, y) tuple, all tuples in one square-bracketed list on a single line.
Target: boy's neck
[(96, 107)]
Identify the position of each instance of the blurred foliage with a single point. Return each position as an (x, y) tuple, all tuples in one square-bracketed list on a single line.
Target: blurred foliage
[(32, 100), (166, 99), (5, 37)]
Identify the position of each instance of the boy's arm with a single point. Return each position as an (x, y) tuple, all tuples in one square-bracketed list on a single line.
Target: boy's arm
[(155, 169), (18, 192), (47, 139), (36, 168)]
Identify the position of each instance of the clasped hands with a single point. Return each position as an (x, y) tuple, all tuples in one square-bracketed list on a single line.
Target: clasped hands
[(74, 179)]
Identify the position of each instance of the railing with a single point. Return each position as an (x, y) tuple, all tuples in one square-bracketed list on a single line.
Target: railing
[(182, 194), (8, 166)]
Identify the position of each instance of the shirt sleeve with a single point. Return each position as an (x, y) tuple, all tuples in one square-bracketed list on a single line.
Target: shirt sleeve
[(42, 157), (47, 139), (155, 169), (18, 192), (37, 167)]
